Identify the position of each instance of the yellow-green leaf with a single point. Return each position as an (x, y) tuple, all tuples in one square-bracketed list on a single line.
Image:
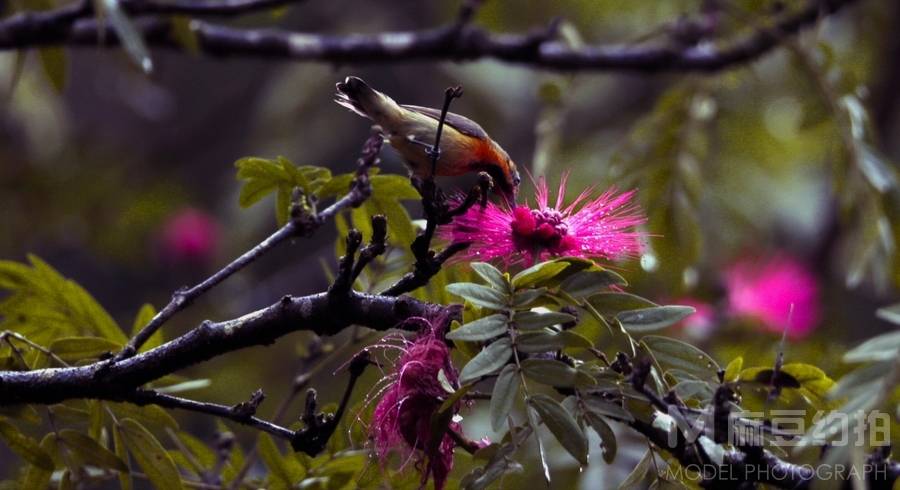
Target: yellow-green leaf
[(150, 455)]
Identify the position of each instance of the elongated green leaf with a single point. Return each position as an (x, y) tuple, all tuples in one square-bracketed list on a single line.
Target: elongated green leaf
[(607, 409), (506, 388), (53, 61), (890, 314), (652, 319), (537, 274), (613, 303), (149, 454), (533, 320), (37, 477), (143, 317), (283, 468), (488, 361), (121, 451), (482, 329), (152, 415), (491, 275), (479, 295), (562, 425), (77, 348), (587, 283), (608, 445), (733, 369), (637, 477), (26, 447), (551, 341), (554, 373), (525, 297), (90, 451), (675, 354), (881, 348)]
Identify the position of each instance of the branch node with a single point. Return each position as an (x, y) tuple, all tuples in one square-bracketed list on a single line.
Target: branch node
[(247, 409)]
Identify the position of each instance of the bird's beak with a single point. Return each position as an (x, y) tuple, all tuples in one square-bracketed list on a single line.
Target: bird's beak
[(509, 196)]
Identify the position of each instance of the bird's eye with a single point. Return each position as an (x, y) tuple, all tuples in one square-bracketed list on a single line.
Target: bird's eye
[(517, 179)]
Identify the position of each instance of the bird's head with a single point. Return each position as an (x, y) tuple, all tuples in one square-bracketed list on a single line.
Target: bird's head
[(504, 173)]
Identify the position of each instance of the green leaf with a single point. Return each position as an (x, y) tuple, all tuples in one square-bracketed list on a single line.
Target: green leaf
[(90, 451), (675, 354), (608, 444), (881, 348), (491, 275), (733, 369), (533, 320), (482, 329), (121, 451), (152, 415), (506, 389), (587, 283), (562, 425), (613, 303), (184, 35), (128, 34), (637, 477), (555, 373), (537, 274), (76, 348), (53, 61), (254, 191), (890, 314), (144, 315), (189, 385), (652, 319), (548, 341), (284, 469), (525, 297), (489, 360), (27, 448), (282, 205), (149, 454), (37, 477), (607, 409), (479, 295)]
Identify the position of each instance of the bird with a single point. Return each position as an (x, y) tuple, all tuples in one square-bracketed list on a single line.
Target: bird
[(464, 147)]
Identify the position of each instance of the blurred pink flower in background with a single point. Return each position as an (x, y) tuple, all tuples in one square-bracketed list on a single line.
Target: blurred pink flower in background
[(701, 323), (600, 227), (767, 290), (189, 235), (402, 419)]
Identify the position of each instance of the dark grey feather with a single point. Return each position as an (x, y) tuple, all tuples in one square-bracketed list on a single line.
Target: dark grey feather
[(460, 123)]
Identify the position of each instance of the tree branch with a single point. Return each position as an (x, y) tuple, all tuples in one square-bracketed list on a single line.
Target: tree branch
[(456, 42), (321, 313)]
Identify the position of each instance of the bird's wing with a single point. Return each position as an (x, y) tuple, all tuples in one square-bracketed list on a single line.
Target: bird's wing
[(462, 124)]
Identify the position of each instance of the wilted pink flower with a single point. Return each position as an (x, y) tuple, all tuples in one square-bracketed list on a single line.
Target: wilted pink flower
[(402, 419), (701, 323), (767, 291), (189, 235), (588, 227)]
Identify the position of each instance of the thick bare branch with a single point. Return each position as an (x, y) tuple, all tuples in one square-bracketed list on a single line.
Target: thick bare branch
[(321, 313)]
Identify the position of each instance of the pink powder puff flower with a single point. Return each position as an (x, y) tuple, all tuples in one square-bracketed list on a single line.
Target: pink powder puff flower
[(402, 419), (190, 235), (767, 291), (601, 227)]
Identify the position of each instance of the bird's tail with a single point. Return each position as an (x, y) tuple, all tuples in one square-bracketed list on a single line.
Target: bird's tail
[(356, 95)]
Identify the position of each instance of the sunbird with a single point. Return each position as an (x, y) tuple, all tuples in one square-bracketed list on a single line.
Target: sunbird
[(465, 147)]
